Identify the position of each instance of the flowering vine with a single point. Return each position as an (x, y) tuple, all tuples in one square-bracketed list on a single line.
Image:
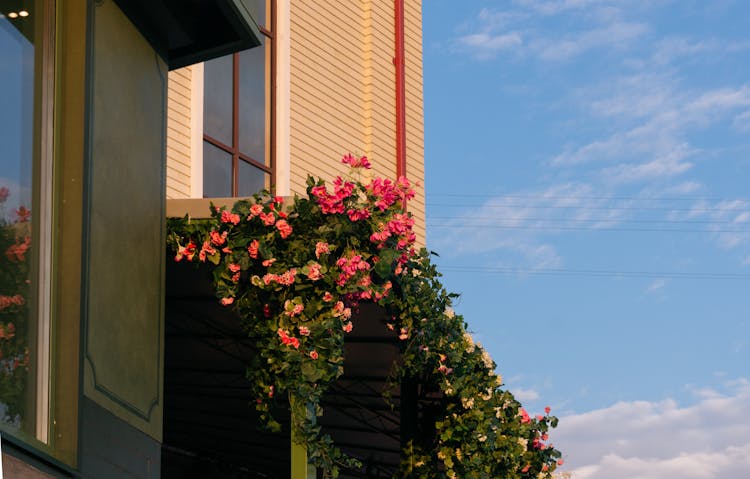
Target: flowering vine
[(295, 273)]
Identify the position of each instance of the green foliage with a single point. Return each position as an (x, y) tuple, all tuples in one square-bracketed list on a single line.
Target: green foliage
[(295, 272)]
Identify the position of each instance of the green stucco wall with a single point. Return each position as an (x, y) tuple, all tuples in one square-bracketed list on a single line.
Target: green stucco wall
[(124, 222)]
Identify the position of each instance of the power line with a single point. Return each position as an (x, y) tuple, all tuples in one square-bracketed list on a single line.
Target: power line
[(580, 228), (581, 220), (585, 208), (584, 197), (597, 273)]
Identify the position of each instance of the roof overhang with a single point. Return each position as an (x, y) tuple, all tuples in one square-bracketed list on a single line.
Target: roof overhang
[(184, 32)]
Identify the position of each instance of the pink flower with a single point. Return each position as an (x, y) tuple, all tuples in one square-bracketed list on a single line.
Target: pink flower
[(525, 419), (268, 219), (356, 215), (284, 228), (268, 262), (404, 334), (321, 248), (526, 468), (560, 462), (347, 327), (217, 238), (547, 410), (229, 217), (292, 309), (227, 301), (314, 354), (252, 249), (355, 162), (233, 267), (304, 331), (327, 297), (255, 210), (187, 251), (270, 391), (4, 193), (23, 214), (287, 278), (314, 272)]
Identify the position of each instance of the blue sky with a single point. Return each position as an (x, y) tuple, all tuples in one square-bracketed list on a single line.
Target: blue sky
[(588, 191)]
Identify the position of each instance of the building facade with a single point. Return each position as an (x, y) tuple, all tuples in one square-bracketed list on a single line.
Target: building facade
[(117, 107)]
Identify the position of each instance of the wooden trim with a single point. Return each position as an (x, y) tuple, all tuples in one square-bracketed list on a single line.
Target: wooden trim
[(400, 89), (235, 123)]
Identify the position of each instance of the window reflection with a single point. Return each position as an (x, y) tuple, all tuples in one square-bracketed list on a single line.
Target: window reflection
[(22, 396)]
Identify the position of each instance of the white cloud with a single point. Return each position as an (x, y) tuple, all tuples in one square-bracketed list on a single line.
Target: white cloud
[(616, 35), (486, 45), (657, 440), (525, 395)]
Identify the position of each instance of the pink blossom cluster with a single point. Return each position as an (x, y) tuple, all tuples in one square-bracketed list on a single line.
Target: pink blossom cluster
[(7, 331), (23, 214), (286, 339), (321, 248), (388, 192), (229, 217), (206, 251), (354, 162), (293, 309), (17, 251), (187, 251), (284, 228), (401, 227), (314, 272), (350, 266), (8, 301), (333, 203), (286, 278)]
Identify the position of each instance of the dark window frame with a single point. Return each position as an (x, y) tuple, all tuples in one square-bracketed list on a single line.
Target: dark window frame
[(234, 148)]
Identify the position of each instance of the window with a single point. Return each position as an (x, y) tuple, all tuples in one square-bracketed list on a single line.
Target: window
[(237, 118), (26, 64)]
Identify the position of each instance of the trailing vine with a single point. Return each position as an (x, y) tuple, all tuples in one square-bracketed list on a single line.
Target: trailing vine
[(295, 272)]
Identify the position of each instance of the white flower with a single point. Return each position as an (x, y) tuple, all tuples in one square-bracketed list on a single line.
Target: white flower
[(449, 313)]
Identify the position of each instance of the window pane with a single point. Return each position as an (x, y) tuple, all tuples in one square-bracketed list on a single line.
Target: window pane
[(260, 11), (21, 396), (252, 179), (217, 99), (217, 172), (253, 104)]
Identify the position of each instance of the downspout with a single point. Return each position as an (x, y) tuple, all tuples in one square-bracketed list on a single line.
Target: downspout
[(399, 62)]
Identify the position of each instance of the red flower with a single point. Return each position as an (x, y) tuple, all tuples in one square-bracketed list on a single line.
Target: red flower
[(314, 354)]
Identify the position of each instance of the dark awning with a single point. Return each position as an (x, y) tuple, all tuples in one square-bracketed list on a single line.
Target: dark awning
[(184, 32)]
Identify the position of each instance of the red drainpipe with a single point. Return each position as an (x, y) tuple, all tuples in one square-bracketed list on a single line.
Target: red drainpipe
[(398, 61)]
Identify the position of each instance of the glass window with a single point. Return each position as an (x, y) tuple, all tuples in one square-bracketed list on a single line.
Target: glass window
[(24, 219), (238, 118)]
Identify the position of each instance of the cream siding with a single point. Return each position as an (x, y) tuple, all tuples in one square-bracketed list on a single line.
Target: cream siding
[(179, 134), (343, 88)]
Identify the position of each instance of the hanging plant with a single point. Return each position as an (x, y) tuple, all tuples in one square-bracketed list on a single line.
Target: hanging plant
[(295, 272)]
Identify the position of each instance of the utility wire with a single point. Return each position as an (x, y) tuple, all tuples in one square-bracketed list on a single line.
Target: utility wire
[(584, 197), (583, 220), (585, 208), (597, 273), (579, 228)]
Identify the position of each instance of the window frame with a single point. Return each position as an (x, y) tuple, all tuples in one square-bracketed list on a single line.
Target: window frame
[(234, 149)]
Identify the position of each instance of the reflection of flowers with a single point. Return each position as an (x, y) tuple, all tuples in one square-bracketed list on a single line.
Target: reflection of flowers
[(15, 243)]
